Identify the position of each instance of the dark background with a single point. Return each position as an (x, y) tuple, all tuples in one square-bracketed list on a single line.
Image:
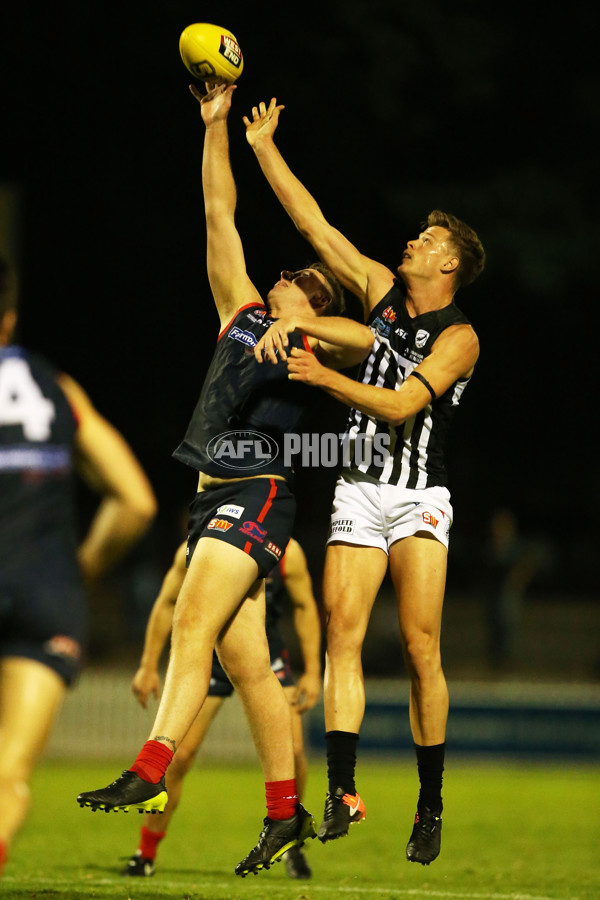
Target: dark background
[(487, 110)]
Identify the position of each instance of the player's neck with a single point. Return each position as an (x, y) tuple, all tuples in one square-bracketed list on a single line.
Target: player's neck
[(280, 309), (424, 297)]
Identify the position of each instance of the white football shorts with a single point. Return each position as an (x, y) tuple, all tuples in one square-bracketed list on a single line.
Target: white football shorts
[(371, 514)]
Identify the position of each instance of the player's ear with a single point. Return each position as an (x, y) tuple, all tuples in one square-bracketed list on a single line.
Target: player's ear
[(320, 302), (450, 265)]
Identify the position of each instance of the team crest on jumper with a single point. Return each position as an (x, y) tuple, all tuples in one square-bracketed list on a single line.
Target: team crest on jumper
[(421, 338)]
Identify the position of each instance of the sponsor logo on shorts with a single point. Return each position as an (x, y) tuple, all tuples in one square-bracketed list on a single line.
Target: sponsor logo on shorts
[(343, 526), (430, 519), (220, 524), (421, 338), (63, 645), (244, 337), (254, 530), (274, 550), (235, 512)]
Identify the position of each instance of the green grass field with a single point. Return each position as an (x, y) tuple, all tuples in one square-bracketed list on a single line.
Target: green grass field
[(511, 832)]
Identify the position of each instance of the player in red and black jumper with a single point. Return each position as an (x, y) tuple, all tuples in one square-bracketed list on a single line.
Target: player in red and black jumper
[(242, 515), (49, 431)]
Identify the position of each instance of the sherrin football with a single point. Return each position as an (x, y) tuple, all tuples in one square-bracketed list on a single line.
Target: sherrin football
[(211, 53)]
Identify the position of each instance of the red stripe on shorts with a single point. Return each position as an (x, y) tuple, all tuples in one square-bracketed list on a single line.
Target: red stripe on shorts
[(264, 510), (269, 500)]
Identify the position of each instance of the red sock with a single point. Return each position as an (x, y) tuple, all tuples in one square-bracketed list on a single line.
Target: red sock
[(152, 761), (149, 841), (3, 854), (282, 798)]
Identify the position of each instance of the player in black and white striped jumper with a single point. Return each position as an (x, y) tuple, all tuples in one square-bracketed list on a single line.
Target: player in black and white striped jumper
[(392, 505)]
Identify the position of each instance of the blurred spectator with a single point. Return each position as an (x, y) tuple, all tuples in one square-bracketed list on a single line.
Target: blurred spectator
[(510, 562)]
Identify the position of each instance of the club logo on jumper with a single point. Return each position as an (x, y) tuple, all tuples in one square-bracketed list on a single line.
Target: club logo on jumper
[(234, 512), (421, 338), (342, 526), (230, 50), (220, 524), (389, 314), (243, 450), (274, 550), (244, 337), (254, 530)]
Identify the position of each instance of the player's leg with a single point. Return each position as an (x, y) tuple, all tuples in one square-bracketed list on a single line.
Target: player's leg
[(218, 579), (418, 570), (300, 761), (352, 577), (154, 829), (244, 653), (30, 697), (295, 861)]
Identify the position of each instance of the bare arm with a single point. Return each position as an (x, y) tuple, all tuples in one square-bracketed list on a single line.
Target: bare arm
[(146, 680), (367, 279), (306, 623), (453, 356), (338, 341), (107, 464), (225, 260)]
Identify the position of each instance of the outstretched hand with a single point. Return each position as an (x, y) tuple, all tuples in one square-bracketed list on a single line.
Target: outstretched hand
[(216, 103), (264, 121)]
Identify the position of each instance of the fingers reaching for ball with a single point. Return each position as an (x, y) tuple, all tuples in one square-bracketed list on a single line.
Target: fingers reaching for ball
[(264, 121)]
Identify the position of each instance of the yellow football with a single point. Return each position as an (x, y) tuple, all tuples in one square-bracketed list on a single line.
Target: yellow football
[(211, 53)]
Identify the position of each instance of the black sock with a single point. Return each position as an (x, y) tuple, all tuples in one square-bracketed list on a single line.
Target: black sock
[(430, 763), (341, 760)]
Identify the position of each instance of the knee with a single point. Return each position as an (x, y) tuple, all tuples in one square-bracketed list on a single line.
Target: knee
[(344, 636), (421, 653), (16, 763)]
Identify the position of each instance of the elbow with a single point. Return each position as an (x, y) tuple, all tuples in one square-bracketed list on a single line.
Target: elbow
[(369, 340), (395, 417), (144, 509)]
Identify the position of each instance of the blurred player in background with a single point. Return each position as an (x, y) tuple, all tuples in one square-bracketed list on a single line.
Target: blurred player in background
[(48, 430), (242, 516), (389, 508), (290, 578)]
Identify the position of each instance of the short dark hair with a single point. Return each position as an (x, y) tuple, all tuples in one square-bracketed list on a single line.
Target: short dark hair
[(466, 243), (337, 305), (8, 287)]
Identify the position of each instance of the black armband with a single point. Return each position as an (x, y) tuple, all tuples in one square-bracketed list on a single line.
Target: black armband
[(424, 381)]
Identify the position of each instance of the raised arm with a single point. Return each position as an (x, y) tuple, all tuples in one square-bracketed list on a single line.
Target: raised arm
[(107, 464), (367, 279), (226, 265), (146, 680), (306, 623)]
